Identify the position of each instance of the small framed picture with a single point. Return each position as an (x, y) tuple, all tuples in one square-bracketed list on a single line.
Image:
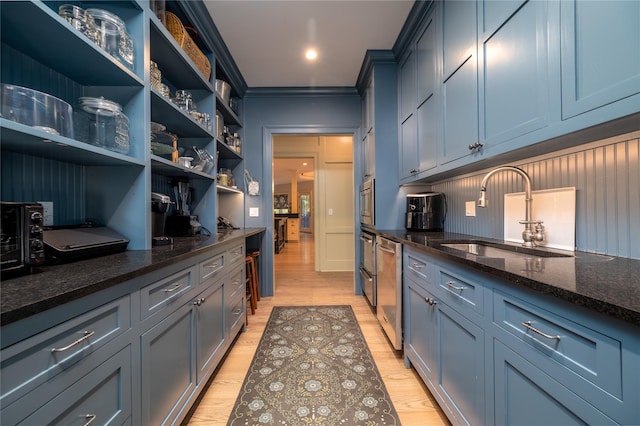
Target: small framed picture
[(280, 201)]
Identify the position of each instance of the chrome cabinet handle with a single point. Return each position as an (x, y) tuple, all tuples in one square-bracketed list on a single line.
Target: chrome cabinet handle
[(417, 265), (430, 301), (172, 289), (198, 302), (454, 287), (215, 265), (476, 146), (90, 417), (528, 326), (86, 335)]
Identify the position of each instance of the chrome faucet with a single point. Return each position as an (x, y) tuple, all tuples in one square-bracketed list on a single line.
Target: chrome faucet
[(528, 236)]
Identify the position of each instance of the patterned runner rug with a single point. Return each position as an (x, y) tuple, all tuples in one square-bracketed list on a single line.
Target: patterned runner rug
[(313, 367)]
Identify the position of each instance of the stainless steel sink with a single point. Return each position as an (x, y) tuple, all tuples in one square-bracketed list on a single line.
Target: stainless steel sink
[(498, 250)]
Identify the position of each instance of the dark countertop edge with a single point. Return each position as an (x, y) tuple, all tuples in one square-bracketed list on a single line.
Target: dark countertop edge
[(287, 215), (27, 310), (615, 311)]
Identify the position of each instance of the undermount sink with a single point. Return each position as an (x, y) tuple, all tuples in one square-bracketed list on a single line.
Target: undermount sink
[(498, 250)]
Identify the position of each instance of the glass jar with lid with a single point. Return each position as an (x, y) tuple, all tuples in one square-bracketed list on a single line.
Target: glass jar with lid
[(115, 40), (81, 21), (184, 100), (101, 122)]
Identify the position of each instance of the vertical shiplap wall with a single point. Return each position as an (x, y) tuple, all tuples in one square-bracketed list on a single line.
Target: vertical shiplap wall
[(606, 175)]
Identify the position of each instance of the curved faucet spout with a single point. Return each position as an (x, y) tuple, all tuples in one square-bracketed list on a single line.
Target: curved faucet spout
[(528, 236)]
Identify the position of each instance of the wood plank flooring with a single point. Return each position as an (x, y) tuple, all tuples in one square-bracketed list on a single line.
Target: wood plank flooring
[(296, 283)]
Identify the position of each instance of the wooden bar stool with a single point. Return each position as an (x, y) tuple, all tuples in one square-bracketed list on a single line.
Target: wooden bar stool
[(251, 282), (255, 254)]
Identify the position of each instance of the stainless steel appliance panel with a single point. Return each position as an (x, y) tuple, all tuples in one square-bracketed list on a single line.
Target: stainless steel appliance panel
[(389, 297), (368, 266), (367, 202)]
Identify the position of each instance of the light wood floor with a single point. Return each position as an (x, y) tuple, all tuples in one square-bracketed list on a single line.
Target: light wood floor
[(296, 283)]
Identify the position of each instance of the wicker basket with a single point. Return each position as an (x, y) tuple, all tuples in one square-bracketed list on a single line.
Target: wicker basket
[(185, 41)]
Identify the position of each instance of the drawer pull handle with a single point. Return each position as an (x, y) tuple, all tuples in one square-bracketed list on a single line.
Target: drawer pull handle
[(172, 289), (237, 252), (454, 287), (213, 266), (85, 336), (417, 265), (199, 302), (90, 417), (430, 301), (528, 326), (237, 311)]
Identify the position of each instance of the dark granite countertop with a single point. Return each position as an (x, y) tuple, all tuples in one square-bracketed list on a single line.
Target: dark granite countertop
[(287, 215), (606, 284), (50, 286)]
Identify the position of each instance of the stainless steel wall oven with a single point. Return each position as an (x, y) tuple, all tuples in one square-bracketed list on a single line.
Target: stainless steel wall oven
[(368, 265)]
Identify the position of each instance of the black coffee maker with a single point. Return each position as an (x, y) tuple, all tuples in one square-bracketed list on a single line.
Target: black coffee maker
[(159, 205), (426, 211), (183, 223)]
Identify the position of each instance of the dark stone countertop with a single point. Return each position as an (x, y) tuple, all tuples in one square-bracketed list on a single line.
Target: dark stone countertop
[(606, 284), (54, 285), (287, 215)]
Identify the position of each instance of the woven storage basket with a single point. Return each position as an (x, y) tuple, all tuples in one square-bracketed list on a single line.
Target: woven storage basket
[(185, 41)]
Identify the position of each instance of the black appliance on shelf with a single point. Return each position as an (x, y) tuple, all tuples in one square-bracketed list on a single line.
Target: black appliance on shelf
[(426, 211), (159, 205), (69, 244), (20, 237)]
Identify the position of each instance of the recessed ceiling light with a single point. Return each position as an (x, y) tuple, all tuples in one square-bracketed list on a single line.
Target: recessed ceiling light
[(311, 54), (304, 164)]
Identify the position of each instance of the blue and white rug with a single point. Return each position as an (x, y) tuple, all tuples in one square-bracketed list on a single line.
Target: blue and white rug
[(313, 367)]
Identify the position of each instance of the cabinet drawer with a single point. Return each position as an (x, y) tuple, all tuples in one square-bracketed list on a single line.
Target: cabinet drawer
[(161, 293), (212, 266), (582, 359), (236, 315), (462, 294), (417, 268), (237, 281), (236, 254), (101, 397), (32, 362)]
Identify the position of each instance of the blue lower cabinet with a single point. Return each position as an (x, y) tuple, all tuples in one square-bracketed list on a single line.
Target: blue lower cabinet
[(210, 333), (492, 352), (421, 332), (101, 397), (525, 395), (168, 377), (461, 365)]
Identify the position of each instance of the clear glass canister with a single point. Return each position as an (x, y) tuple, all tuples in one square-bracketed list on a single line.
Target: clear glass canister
[(116, 41), (184, 100), (81, 21), (156, 76), (101, 122)]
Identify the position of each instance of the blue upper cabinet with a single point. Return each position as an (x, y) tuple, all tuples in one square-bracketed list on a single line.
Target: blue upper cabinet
[(459, 79), (600, 47), (514, 67)]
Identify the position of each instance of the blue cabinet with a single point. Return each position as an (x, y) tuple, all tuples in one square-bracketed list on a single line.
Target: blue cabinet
[(600, 48), (491, 352), (420, 128), (526, 395), (514, 83), (446, 348)]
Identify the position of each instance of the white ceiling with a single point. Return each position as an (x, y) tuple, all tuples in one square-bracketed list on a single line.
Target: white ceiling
[(284, 168), (268, 38)]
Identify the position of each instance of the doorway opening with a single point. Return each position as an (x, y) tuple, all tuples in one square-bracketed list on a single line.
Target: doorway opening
[(312, 186)]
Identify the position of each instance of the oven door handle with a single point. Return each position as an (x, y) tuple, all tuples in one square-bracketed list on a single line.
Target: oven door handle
[(365, 274), (366, 240)]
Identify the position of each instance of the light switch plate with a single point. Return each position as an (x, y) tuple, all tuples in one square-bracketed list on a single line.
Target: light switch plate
[(470, 208), (254, 211)]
